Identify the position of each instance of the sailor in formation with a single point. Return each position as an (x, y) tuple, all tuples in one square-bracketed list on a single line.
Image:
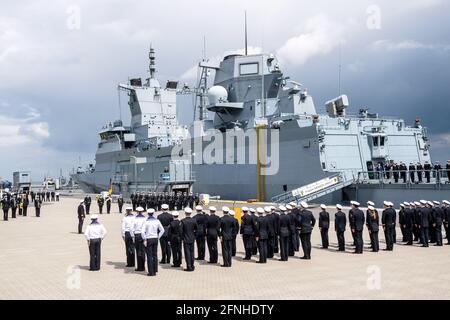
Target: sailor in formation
[(212, 234), (81, 216), (200, 237), (357, 223), (284, 232), (138, 239), (95, 233), (174, 236), (188, 229), (152, 231), (120, 203), (340, 222), (127, 236), (305, 225), (235, 233), (226, 233), (271, 225), (87, 203), (247, 230), (165, 218), (324, 225)]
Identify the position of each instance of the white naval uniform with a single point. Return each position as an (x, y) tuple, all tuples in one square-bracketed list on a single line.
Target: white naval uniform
[(94, 233), (151, 231)]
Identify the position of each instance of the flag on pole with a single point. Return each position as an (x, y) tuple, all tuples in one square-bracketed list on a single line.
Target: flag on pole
[(110, 191)]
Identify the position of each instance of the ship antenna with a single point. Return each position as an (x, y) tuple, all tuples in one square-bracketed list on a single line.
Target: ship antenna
[(152, 58), (340, 68), (246, 39)]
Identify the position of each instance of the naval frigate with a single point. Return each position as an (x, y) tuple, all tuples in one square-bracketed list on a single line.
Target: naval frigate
[(257, 135)]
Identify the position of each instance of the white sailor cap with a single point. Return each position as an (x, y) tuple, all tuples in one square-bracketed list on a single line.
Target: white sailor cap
[(304, 205), (293, 204), (212, 208), (391, 204), (431, 204), (128, 209), (252, 210), (273, 208), (175, 213), (140, 209), (402, 205), (94, 217), (446, 202), (371, 208), (386, 203), (165, 207), (370, 203), (151, 211), (323, 206), (225, 209), (199, 208), (260, 210), (289, 207), (339, 207), (406, 203), (417, 203), (232, 213), (244, 209), (267, 209), (423, 201), (355, 203), (282, 208), (187, 210), (81, 201), (436, 203)]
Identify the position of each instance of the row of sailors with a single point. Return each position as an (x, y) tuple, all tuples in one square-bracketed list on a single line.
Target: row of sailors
[(157, 199), (19, 203), (266, 230), (403, 172)]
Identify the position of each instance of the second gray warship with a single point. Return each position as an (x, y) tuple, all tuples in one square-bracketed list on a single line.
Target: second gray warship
[(265, 141)]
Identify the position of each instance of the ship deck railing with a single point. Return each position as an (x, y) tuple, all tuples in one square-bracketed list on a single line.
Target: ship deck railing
[(404, 177)]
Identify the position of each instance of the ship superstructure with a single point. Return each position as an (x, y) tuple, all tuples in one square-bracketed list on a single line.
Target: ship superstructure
[(264, 140)]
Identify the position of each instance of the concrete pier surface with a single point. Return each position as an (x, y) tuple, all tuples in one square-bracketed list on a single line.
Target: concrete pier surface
[(45, 258)]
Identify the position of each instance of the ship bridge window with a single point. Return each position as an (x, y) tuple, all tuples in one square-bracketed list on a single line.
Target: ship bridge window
[(382, 141), (246, 69), (375, 141)]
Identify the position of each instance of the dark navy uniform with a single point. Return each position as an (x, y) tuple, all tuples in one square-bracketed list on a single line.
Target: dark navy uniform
[(358, 227), (248, 233), (174, 237), (373, 225), (408, 224), (212, 233), (202, 220), (306, 223), (388, 220), (262, 235), (284, 230), (165, 218), (188, 230), (437, 219), (226, 233), (340, 222), (324, 225)]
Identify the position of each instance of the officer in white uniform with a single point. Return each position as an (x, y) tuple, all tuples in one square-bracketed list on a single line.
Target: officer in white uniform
[(139, 221), (152, 230), (95, 233), (127, 230)]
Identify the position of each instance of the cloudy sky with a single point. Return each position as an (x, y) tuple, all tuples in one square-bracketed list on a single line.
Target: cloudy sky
[(60, 62)]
